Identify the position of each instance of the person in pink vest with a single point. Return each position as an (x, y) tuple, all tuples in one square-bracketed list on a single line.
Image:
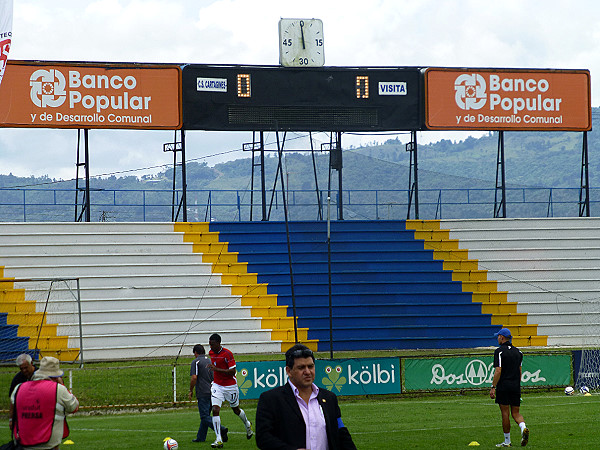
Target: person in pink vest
[(39, 408)]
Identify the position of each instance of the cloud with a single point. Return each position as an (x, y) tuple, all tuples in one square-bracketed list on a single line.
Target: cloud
[(454, 33)]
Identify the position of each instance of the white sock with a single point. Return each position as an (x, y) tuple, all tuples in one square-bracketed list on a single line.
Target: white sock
[(507, 438), (522, 426), (242, 416), (217, 424)]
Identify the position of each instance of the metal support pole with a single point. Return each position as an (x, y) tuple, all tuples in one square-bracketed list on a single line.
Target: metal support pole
[(178, 147), (413, 175), (338, 145), (312, 152), (80, 325), (584, 190), (261, 164), (263, 189), (183, 177), (500, 205), (287, 235), (174, 192), (329, 278)]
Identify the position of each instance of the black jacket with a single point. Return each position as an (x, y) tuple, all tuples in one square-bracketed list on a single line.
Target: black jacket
[(280, 425)]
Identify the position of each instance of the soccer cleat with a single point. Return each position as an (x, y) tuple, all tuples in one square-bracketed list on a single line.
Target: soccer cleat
[(525, 437), (504, 444), (224, 434), (217, 444), (249, 432)]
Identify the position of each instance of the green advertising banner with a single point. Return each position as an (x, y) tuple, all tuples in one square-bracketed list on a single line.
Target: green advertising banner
[(342, 376), (478, 372)]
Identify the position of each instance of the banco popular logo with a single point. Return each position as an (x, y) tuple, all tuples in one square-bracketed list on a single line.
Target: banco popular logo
[(48, 88), (470, 91)]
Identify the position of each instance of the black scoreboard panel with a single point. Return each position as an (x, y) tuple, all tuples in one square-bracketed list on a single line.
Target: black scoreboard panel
[(270, 98)]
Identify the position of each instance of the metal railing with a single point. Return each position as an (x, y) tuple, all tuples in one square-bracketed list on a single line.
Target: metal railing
[(155, 205)]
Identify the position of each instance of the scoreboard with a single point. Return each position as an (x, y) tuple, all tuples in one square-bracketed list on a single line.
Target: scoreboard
[(271, 98)]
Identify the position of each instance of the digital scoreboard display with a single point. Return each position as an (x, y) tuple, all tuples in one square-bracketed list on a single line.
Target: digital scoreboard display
[(271, 98)]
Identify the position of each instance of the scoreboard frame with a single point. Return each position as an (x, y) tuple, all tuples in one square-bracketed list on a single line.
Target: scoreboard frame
[(275, 98)]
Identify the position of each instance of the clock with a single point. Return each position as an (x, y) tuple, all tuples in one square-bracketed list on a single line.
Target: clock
[(301, 43)]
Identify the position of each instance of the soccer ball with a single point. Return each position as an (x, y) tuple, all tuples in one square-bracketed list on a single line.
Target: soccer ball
[(171, 444), (584, 390), (568, 391)]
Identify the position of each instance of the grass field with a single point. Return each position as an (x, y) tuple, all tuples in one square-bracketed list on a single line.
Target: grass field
[(428, 422)]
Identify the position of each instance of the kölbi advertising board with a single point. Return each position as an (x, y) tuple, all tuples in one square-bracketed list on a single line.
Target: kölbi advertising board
[(503, 99), (90, 95)]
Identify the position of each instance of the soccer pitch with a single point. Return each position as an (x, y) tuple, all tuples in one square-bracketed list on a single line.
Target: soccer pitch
[(450, 421)]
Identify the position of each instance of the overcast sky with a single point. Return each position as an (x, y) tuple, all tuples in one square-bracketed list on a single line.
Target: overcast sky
[(479, 33)]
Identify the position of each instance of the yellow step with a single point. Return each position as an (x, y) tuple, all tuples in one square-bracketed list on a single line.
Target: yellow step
[(239, 278), (32, 331), (479, 286), (269, 311), (7, 295), (49, 343), (469, 275), (509, 319), (490, 297), (432, 235), (243, 289), (277, 323), (24, 307), (209, 237), (423, 224), (71, 354), (451, 254), (210, 247), (222, 267), (191, 227), (24, 318), (524, 330), (530, 341), (287, 334), (451, 244), (460, 264), (259, 300), (229, 257), (499, 308)]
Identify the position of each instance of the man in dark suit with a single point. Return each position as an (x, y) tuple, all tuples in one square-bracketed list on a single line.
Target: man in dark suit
[(299, 415)]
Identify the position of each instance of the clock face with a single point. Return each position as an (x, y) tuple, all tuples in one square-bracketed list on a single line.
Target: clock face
[(301, 43)]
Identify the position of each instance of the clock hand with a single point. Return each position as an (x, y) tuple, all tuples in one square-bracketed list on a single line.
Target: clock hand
[(302, 33)]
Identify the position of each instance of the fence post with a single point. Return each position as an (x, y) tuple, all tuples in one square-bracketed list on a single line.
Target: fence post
[(174, 372)]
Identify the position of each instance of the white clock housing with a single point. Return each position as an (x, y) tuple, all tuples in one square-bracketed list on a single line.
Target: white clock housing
[(301, 43)]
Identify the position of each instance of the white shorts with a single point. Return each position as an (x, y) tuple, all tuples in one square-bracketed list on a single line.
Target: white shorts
[(220, 394)]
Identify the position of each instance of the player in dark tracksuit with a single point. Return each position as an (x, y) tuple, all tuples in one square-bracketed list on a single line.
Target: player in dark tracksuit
[(506, 386)]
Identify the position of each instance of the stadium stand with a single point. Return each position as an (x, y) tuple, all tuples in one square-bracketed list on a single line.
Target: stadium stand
[(147, 289)]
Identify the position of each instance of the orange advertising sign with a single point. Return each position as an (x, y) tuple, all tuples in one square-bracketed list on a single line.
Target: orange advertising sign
[(499, 99), (90, 95)]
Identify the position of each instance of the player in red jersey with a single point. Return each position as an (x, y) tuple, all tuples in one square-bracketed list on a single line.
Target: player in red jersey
[(224, 387)]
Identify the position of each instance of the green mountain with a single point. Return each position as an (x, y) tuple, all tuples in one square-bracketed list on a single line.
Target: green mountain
[(446, 169)]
